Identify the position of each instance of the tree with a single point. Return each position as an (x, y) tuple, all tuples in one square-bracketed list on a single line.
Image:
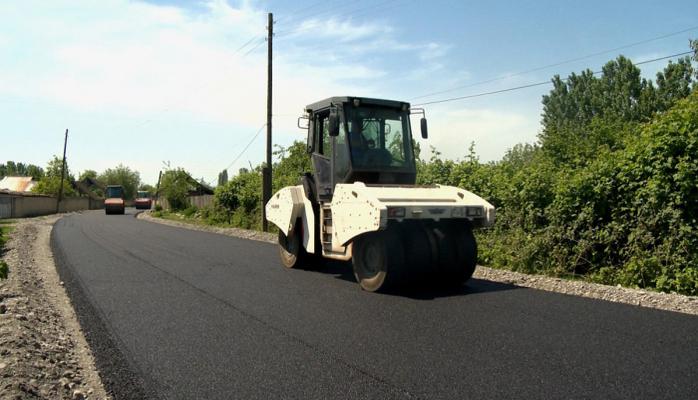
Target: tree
[(50, 183), (124, 176), (20, 169), (88, 173), (579, 110), (144, 187), (674, 83), (35, 172), (174, 186), (293, 162), (223, 178), (226, 197), (694, 47)]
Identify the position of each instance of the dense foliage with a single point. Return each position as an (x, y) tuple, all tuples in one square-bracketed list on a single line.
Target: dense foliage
[(175, 185), (50, 182), (12, 168), (608, 193), (121, 175)]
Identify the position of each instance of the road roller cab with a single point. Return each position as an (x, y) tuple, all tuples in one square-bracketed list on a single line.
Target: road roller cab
[(114, 200), (361, 202)]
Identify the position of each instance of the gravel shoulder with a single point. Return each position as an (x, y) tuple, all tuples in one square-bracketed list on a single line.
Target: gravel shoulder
[(43, 352), (638, 297)]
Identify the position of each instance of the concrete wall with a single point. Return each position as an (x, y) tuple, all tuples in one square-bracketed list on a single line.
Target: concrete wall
[(32, 206), (18, 206)]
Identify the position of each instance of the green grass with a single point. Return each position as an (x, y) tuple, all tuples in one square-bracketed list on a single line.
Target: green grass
[(5, 229)]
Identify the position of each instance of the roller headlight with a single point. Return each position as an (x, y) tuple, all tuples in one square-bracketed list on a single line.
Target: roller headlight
[(458, 212), (474, 212)]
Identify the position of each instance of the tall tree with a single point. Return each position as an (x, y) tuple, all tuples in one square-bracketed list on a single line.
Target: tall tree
[(175, 185), (223, 177), (674, 83), (50, 183), (88, 173), (124, 176)]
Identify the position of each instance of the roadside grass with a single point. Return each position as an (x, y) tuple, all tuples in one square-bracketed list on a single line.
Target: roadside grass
[(6, 226)]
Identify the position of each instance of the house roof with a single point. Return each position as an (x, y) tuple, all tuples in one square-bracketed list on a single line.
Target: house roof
[(17, 183), (199, 187)]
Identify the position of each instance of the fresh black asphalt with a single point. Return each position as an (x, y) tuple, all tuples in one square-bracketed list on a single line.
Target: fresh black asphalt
[(179, 314)]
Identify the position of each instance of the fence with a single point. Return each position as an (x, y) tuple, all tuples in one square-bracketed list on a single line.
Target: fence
[(19, 205), (201, 201)]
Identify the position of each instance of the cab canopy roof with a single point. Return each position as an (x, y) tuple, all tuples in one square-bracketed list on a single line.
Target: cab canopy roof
[(337, 100)]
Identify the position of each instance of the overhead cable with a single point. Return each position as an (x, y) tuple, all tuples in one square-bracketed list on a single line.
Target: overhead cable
[(536, 83)]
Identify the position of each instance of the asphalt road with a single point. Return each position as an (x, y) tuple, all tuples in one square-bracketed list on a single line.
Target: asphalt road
[(179, 314)]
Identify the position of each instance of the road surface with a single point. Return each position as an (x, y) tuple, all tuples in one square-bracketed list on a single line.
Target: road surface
[(177, 314)]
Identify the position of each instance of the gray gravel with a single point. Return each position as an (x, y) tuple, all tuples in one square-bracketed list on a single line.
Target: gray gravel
[(43, 354)]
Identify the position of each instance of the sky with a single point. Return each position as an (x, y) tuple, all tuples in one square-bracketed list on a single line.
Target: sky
[(182, 83)]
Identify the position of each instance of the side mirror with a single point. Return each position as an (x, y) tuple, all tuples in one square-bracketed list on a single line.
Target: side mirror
[(334, 122), (423, 125)]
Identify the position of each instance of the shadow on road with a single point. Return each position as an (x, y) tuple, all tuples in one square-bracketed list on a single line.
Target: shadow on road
[(423, 291), (474, 286)]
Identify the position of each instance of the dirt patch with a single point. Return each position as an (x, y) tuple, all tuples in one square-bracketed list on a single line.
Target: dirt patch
[(642, 298), (43, 353)]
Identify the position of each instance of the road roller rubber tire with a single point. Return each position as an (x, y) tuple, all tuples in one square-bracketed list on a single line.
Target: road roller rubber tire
[(379, 261), (291, 250), (466, 255)]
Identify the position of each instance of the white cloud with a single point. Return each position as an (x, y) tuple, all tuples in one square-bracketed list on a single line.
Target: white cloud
[(135, 59), (145, 64)]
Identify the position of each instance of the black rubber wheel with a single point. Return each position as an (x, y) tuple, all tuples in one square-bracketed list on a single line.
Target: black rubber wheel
[(457, 254), (291, 249), (419, 257), (378, 259)]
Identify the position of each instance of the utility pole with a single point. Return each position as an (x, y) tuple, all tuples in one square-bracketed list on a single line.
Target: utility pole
[(60, 189), (266, 173), (157, 189)]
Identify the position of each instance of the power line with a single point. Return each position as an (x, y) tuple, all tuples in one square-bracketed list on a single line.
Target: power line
[(261, 42), (246, 44), (558, 63), (246, 147), (300, 10), (537, 83)]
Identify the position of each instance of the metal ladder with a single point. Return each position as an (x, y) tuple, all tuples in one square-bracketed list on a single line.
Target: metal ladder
[(326, 229)]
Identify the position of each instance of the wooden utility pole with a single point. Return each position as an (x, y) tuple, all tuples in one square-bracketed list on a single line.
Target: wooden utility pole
[(157, 189), (60, 188), (266, 174)]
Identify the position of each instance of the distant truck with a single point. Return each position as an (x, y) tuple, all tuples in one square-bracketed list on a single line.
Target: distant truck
[(143, 200), (114, 200)]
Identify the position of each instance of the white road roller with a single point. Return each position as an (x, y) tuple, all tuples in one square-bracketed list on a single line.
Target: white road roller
[(361, 203)]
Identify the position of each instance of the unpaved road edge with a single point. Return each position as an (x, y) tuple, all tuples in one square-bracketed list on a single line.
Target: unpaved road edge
[(43, 350), (637, 297)]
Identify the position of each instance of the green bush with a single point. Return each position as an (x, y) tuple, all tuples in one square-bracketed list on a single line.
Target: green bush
[(4, 270), (175, 185), (189, 211)]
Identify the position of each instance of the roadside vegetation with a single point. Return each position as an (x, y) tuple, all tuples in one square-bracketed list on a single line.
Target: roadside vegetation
[(607, 194), (49, 179), (5, 229)]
